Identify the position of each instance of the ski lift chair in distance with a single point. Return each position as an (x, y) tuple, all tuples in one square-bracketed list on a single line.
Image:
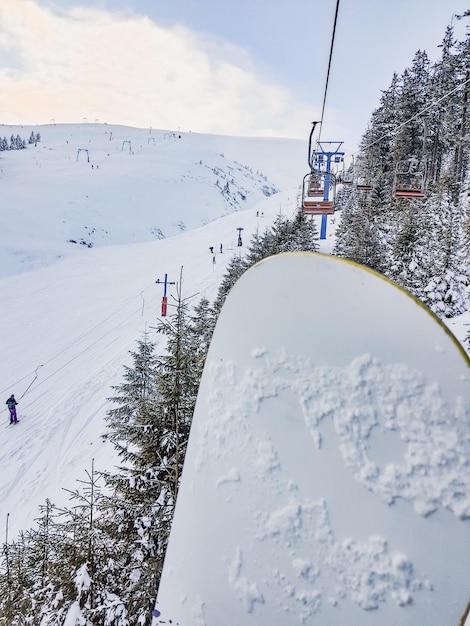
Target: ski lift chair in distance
[(316, 185), (363, 183), (346, 178), (362, 174), (409, 179)]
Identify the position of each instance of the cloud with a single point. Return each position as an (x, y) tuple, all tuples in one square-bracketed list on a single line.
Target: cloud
[(124, 68)]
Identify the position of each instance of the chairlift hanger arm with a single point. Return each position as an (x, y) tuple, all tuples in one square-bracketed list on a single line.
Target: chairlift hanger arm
[(310, 153)]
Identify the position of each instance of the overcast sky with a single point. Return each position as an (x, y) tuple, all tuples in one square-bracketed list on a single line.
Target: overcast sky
[(242, 67)]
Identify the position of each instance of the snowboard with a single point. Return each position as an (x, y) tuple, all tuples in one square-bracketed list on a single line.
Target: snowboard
[(327, 475)]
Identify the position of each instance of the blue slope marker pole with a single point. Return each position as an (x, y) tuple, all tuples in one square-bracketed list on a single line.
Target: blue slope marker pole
[(164, 299)]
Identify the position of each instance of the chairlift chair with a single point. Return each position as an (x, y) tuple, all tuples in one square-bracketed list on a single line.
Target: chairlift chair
[(313, 202), (317, 207), (346, 178), (315, 185), (409, 179)]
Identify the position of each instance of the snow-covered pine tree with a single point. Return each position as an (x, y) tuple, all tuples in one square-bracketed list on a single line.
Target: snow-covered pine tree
[(137, 513), (16, 143), (409, 138), (304, 236), (445, 257), (441, 116), (461, 151), (15, 581), (421, 243), (408, 243), (150, 430), (285, 235), (179, 371), (235, 268), (358, 239), (200, 330), (375, 159), (260, 246)]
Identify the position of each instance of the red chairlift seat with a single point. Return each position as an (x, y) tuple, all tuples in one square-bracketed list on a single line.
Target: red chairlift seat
[(409, 193), (409, 179), (317, 207), (315, 192), (314, 186)]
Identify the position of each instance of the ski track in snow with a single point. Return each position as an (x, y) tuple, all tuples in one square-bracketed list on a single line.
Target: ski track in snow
[(74, 312), (433, 471)]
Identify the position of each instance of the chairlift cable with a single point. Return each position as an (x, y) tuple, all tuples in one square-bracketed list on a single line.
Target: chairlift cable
[(329, 67), (315, 199), (416, 115), (75, 342)]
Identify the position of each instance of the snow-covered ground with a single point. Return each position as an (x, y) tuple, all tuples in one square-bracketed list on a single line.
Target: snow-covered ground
[(70, 313), (90, 218)]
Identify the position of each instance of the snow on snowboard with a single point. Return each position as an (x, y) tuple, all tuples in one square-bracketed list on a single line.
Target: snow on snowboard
[(327, 477)]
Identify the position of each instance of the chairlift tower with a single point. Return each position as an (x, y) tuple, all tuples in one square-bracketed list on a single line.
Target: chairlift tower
[(327, 152)]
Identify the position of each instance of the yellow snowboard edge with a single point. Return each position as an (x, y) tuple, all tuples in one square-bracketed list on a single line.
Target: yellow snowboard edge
[(416, 300)]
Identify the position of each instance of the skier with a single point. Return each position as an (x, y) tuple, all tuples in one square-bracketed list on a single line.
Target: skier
[(11, 403)]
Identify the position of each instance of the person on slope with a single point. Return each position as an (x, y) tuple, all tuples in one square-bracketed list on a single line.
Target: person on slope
[(11, 403)]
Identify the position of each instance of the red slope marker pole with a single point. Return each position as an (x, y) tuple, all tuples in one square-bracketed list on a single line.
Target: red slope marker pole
[(164, 299)]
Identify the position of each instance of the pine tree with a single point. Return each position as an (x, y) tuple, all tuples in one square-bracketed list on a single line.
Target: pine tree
[(421, 244), (138, 513), (304, 235), (178, 381), (235, 268), (358, 240), (461, 156), (260, 247), (376, 158), (200, 329), (150, 429), (440, 119), (410, 137)]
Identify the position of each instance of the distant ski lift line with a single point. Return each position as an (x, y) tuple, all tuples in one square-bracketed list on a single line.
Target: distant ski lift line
[(402, 188), (409, 179), (413, 117)]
